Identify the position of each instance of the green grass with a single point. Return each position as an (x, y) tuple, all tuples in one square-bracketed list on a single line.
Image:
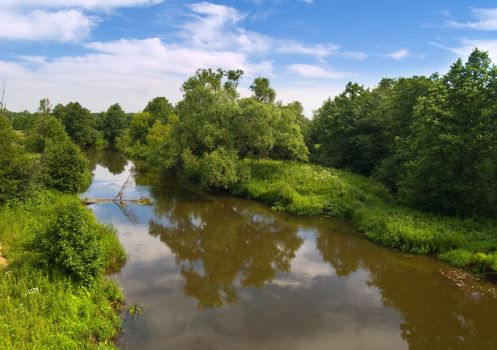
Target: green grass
[(45, 309), (307, 189)]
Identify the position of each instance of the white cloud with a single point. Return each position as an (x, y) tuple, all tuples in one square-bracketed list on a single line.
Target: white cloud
[(399, 55), (486, 20), (312, 71), (468, 45), (318, 50), (218, 27), (130, 72), (63, 25), (54, 20), (215, 27), (84, 4)]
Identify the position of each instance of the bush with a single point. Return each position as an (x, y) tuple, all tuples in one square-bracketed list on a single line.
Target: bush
[(219, 169), (64, 167), (70, 244), (15, 166)]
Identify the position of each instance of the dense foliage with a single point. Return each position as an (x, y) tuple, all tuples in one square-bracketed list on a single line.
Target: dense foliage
[(53, 292), (211, 128), (431, 140), (15, 165), (50, 295)]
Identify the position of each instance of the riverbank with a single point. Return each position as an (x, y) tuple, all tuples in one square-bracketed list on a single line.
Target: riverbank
[(306, 189), (53, 292)]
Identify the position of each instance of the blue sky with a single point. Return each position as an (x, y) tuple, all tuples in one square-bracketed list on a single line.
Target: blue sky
[(100, 52)]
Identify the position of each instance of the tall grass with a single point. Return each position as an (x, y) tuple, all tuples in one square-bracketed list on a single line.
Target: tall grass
[(42, 308), (307, 189)]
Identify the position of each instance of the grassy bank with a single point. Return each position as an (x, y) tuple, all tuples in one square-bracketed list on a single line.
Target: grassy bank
[(53, 292), (306, 189)]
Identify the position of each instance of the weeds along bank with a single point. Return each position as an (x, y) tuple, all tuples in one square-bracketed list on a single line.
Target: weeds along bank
[(53, 291), (306, 189)]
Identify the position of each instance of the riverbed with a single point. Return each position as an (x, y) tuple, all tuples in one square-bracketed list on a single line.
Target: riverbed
[(218, 272)]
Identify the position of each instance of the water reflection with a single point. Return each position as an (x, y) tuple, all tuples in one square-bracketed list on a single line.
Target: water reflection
[(219, 246), (435, 313), (109, 158), (223, 273)]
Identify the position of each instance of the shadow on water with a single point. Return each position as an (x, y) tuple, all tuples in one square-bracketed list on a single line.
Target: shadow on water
[(216, 272)]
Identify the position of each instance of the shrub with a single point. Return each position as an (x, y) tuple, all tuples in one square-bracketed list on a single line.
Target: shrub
[(70, 244), (219, 169), (64, 167)]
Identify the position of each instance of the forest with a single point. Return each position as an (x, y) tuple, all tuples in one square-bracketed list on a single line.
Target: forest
[(412, 163)]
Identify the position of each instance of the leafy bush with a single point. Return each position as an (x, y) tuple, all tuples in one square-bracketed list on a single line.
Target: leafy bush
[(42, 309), (15, 165), (218, 169), (71, 245), (64, 167)]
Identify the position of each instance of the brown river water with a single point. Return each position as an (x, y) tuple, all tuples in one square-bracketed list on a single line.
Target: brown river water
[(217, 272)]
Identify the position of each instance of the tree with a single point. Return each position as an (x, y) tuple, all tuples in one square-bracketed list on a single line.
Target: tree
[(45, 128), (113, 122), (140, 125), (254, 129), (44, 107), (450, 159), (78, 122), (262, 91), (207, 111), (289, 141), (347, 134), (160, 109), (64, 167), (16, 167)]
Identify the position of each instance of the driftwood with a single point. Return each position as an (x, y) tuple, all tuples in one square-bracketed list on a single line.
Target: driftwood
[(118, 199)]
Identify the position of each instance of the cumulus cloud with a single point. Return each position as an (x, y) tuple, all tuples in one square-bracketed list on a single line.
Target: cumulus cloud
[(54, 20), (63, 25), (128, 71), (132, 71)]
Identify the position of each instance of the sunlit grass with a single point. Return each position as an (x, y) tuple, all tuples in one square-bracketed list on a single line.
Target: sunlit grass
[(44, 309), (306, 189)]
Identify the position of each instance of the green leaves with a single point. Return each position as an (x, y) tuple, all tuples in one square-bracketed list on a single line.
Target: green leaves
[(71, 243), (64, 167)]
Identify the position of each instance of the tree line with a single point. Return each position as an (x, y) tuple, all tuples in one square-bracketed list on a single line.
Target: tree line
[(432, 141)]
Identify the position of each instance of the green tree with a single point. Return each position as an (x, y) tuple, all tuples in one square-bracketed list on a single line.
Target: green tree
[(450, 160), (45, 128), (64, 167), (254, 128), (44, 107), (16, 167), (113, 122), (262, 91), (140, 126), (397, 111), (78, 122), (346, 132), (160, 109)]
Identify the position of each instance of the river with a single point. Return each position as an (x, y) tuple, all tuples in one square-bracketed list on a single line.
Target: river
[(217, 272)]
